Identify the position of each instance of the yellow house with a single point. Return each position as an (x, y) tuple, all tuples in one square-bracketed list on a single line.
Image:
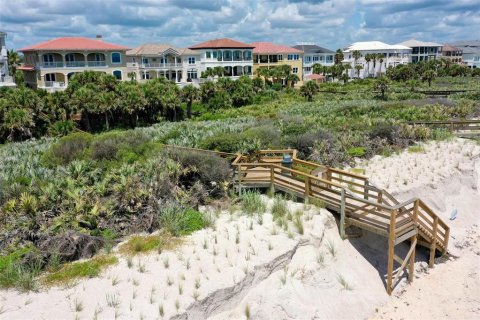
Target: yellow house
[(267, 54), (49, 65)]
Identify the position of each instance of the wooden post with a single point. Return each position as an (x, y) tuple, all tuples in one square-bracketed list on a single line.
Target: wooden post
[(342, 214), (365, 190), (411, 266), (239, 179), (307, 190), (445, 244), (391, 250), (433, 246), (272, 180)]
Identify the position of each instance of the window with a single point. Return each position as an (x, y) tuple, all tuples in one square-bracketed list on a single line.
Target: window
[(280, 57), (315, 58), (69, 57), (192, 74), (191, 60), (293, 57), (294, 70), (50, 77), (227, 55), (117, 74), (145, 60), (48, 58), (214, 54), (308, 58), (208, 54), (247, 55), (116, 57), (308, 69), (145, 75)]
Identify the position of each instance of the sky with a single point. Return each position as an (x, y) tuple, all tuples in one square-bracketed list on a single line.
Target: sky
[(329, 23)]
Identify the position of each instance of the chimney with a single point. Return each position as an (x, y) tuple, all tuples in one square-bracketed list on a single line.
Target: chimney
[(99, 36)]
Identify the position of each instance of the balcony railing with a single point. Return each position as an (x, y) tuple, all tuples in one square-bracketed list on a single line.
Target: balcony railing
[(75, 64), (72, 64), (97, 64), (55, 64), (161, 65)]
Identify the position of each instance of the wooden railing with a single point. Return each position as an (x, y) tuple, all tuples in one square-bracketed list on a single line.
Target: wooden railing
[(462, 126)]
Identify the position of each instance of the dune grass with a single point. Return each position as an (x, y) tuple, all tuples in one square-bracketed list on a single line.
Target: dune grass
[(141, 244), (77, 270)]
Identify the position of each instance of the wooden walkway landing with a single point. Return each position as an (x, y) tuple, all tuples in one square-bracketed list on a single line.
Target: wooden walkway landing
[(357, 201)]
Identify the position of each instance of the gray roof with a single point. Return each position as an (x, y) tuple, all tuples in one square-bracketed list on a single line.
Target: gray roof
[(472, 46), (311, 48)]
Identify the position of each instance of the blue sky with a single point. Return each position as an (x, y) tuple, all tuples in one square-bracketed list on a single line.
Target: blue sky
[(329, 23)]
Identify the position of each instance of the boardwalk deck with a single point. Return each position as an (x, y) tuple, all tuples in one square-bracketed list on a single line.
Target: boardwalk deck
[(357, 201)]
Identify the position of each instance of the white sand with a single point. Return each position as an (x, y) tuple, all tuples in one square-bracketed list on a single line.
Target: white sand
[(279, 275), (447, 177)]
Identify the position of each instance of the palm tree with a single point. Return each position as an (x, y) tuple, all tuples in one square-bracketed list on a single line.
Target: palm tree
[(309, 89), (318, 69), (106, 104), (14, 60), (374, 59), (132, 75), (338, 56), (368, 58), (344, 77), (358, 67), (218, 71), (189, 95), (292, 79), (428, 76), (382, 84), (356, 55), (380, 58)]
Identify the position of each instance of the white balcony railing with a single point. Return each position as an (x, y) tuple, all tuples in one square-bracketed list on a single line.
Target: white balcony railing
[(54, 84), (55, 64), (72, 64), (75, 64)]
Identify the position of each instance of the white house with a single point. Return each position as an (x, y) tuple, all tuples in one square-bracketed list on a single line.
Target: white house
[(150, 61), (5, 78), (471, 52), (234, 56), (313, 54), (386, 55), (423, 51)]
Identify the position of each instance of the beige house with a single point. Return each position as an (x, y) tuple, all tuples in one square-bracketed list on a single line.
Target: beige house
[(49, 65), (268, 55), (151, 61)]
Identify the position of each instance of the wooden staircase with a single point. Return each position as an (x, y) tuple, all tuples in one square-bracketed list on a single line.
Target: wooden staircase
[(358, 202)]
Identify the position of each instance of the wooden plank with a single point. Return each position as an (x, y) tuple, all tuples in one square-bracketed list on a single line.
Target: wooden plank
[(405, 236), (342, 214), (367, 227), (391, 252), (433, 247), (400, 271)]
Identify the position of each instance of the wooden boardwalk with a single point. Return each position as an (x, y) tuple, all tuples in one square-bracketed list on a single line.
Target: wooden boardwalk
[(358, 202)]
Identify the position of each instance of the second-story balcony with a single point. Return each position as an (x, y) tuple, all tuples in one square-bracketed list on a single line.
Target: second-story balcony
[(72, 64)]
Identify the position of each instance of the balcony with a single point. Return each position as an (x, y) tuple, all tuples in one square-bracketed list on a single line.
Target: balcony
[(160, 65)]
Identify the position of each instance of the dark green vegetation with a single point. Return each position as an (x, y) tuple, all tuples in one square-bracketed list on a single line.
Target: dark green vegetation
[(103, 187)]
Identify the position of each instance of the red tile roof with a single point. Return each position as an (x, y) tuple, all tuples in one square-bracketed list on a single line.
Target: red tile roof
[(314, 76), (74, 43), (26, 68), (268, 47), (222, 43)]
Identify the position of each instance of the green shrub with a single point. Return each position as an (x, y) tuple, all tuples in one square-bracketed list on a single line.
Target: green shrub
[(68, 148), (356, 152), (22, 277), (119, 145), (178, 220), (62, 128), (279, 207)]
